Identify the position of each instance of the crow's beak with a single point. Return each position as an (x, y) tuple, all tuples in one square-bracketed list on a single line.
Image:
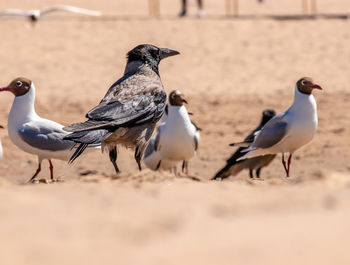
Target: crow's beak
[(165, 52)]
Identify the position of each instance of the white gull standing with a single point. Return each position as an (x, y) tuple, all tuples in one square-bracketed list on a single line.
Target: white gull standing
[(32, 133), (177, 137), (290, 130)]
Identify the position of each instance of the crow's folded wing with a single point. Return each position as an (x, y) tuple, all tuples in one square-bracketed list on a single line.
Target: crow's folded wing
[(125, 112)]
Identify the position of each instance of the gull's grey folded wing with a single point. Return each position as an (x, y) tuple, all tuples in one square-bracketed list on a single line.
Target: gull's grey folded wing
[(44, 139), (272, 133)]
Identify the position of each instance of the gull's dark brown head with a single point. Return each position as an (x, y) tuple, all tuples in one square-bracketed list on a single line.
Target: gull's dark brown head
[(19, 87), (305, 85), (176, 98)]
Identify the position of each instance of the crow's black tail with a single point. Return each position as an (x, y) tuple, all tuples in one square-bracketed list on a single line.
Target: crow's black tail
[(81, 148), (86, 139)]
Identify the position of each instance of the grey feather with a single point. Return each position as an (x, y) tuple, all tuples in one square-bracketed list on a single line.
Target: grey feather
[(150, 148), (156, 142), (126, 112), (89, 137), (272, 133), (45, 138), (132, 90)]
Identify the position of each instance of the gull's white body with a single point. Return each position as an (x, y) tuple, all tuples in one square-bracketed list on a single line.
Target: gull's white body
[(153, 159), (176, 139), (302, 121), (23, 115)]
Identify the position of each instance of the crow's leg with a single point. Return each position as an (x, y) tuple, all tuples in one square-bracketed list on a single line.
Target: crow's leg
[(113, 154), (138, 156), (258, 172)]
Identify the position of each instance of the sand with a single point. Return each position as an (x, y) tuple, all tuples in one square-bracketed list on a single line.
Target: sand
[(230, 70)]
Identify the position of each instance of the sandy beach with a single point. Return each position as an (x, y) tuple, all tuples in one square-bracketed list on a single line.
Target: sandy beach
[(230, 71)]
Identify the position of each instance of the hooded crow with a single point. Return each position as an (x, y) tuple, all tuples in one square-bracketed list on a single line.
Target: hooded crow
[(128, 113), (233, 167)]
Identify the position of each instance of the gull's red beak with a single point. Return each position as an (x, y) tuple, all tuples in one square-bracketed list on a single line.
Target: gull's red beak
[(4, 89), (1, 127), (317, 87), (183, 99)]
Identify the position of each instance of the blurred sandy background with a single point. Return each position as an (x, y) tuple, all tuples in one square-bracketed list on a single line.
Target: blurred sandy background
[(230, 70)]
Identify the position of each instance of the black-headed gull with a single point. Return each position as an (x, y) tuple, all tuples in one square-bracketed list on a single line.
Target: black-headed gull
[(32, 133), (177, 137), (289, 130), (128, 113), (35, 14), (233, 167)]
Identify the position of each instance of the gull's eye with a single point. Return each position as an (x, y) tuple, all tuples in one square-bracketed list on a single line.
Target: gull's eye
[(303, 82), (19, 83)]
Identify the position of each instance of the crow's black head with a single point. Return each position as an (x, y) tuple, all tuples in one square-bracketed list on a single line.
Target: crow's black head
[(267, 115), (150, 54)]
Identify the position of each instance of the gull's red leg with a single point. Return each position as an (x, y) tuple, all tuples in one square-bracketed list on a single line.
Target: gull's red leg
[(51, 169), (284, 165), (36, 173)]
